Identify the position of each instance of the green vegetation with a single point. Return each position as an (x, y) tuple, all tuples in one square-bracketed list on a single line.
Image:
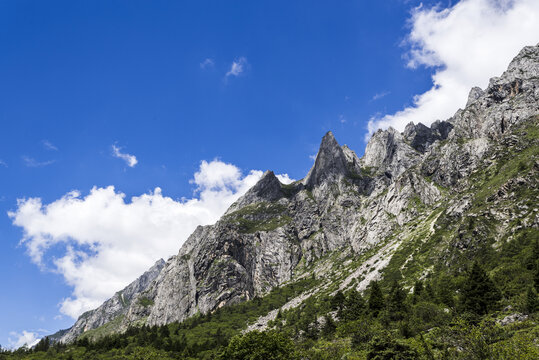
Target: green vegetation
[(261, 216), (144, 301)]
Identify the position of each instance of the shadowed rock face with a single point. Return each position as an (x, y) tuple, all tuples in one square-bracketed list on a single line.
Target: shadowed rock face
[(420, 137), (330, 162), (344, 203), (268, 188)]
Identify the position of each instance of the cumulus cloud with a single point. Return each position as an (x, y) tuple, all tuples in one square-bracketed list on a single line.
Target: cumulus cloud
[(207, 63), (237, 67), (467, 44), (25, 338), (130, 160), (31, 162), (101, 241), (48, 145)]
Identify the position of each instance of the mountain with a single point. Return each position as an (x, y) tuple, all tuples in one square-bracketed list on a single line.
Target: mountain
[(419, 203), (111, 310)]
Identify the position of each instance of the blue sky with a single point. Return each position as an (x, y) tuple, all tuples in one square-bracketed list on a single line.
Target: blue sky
[(244, 86)]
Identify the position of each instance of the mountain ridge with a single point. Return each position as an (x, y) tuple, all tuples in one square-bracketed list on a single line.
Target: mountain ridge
[(345, 205)]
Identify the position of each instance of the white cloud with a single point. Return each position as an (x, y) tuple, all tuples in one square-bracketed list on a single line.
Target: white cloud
[(3, 163), (48, 145), (284, 178), (28, 338), (207, 63), (105, 242), (130, 160), (467, 43), (237, 67), (31, 162)]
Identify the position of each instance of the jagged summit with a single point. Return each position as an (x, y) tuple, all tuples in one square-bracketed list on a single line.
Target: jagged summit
[(330, 162), (420, 137), (268, 188), (387, 152)]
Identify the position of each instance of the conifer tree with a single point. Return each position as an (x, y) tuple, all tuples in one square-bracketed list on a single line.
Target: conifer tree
[(43, 344), (479, 294), (445, 290), (396, 302), (337, 302), (354, 305), (418, 290), (428, 292), (532, 301), (329, 327), (376, 298)]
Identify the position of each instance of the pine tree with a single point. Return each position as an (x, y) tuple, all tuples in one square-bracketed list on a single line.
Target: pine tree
[(445, 290), (479, 294), (354, 306), (428, 294), (418, 290), (532, 301), (337, 302), (376, 298), (396, 302), (43, 344), (329, 327)]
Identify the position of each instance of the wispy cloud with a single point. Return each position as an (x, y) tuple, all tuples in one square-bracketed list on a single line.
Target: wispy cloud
[(207, 63), (378, 96), (237, 67), (130, 160), (31, 162), (48, 145), (3, 163), (342, 119)]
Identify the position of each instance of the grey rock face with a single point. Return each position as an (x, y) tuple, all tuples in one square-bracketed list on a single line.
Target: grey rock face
[(474, 94), (344, 203), (420, 137), (268, 188), (508, 99), (113, 307), (388, 153), (330, 162)]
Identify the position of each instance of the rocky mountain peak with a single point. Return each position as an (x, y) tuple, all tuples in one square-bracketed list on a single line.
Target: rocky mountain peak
[(420, 137), (474, 94), (508, 99), (330, 162), (524, 66), (387, 152), (268, 188)]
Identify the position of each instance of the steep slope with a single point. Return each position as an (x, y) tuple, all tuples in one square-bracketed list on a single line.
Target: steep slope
[(113, 308), (398, 212)]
